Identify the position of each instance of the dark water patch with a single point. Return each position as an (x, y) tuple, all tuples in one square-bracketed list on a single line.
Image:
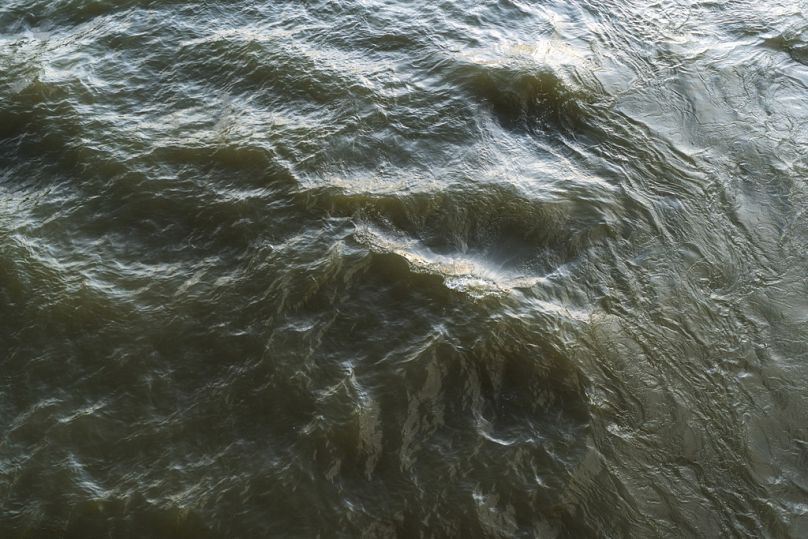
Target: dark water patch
[(447, 399), (499, 224), (524, 97), (31, 104), (55, 16), (794, 45), (483, 393)]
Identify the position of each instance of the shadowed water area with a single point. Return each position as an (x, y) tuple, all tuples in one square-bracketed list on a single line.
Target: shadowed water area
[(403, 269)]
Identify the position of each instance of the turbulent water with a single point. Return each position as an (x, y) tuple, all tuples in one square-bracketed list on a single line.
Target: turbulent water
[(379, 268)]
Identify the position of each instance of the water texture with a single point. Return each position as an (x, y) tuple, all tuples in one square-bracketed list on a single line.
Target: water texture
[(403, 269)]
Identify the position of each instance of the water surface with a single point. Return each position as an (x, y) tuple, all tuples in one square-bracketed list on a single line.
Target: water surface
[(403, 269)]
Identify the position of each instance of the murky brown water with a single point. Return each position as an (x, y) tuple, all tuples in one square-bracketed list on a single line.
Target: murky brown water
[(403, 269)]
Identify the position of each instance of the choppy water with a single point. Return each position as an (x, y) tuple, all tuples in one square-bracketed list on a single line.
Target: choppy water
[(403, 269)]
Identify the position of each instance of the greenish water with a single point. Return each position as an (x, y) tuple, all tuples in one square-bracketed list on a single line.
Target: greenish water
[(403, 269)]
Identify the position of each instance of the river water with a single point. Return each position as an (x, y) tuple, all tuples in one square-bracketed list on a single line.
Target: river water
[(403, 269)]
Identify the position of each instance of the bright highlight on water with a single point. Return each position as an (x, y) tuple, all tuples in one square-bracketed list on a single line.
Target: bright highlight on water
[(403, 269)]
